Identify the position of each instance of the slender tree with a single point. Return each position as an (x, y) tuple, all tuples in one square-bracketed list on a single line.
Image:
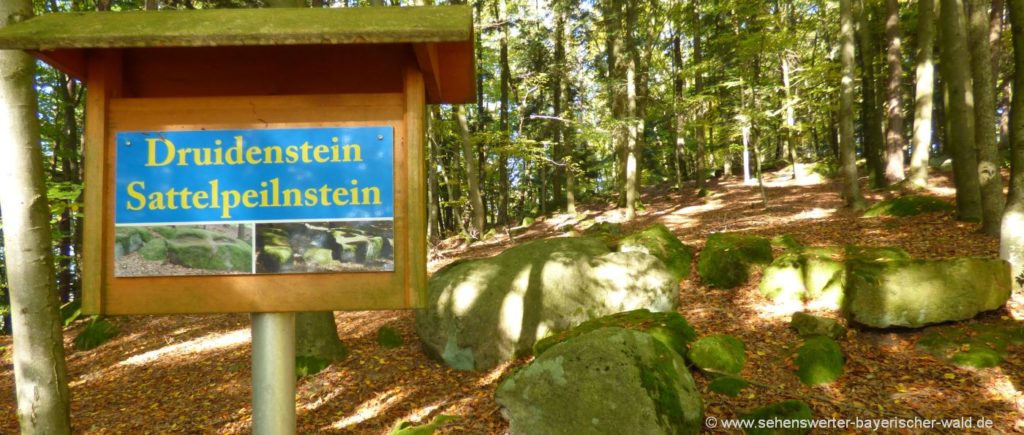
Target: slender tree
[(924, 93), (1011, 246), (40, 377), (984, 88), (894, 140), (847, 149), (871, 117), (960, 110), (472, 174)]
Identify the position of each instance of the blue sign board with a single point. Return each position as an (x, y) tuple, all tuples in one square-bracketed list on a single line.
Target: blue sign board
[(257, 175)]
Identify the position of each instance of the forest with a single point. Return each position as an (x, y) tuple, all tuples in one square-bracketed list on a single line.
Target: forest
[(790, 164)]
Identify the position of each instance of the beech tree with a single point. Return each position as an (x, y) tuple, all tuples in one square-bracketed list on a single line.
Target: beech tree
[(41, 381), (1011, 246)]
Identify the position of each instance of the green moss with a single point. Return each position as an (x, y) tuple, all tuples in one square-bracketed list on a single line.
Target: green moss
[(130, 239), (975, 345), (318, 256), (910, 205), (97, 332), (154, 250), (310, 365), (789, 410), (914, 293), (198, 249), (819, 361), (671, 329), (660, 379), (280, 254), (727, 257), (718, 354), (389, 337), (234, 27), (728, 385), (165, 232), (786, 242), (807, 325), (876, 253), (658, 241), (407, 428), (270, 236)]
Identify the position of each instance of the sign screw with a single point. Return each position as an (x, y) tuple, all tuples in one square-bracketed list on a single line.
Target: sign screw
[(380, 137), (127, 143)]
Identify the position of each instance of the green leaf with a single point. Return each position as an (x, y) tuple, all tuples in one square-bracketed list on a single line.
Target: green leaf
[(99, 331)]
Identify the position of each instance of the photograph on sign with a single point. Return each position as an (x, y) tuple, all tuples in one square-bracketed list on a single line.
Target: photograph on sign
[(297, 200)]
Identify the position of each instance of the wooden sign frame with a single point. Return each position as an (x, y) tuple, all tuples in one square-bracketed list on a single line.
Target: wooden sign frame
[(108, 113)]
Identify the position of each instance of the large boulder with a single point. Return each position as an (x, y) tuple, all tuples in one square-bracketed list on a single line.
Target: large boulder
[(726, 258), (610, 380), (130, 239), (482, 312), (816, 276), (658, 241), (671, 329), (910, 205), (209, 250), (914, 293)]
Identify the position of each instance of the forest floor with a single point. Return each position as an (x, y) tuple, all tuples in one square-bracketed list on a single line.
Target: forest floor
[(191, 374)]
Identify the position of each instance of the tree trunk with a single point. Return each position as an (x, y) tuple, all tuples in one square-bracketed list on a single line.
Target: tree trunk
[(698, 88), (847, 149), (871, 117), (316, 336), (960, 110), (923, 94), (434, 209), (894, 141), (679, 132), (559, 151), (472, 174), (503, 182), (989, 160), (40, 377), (1011, 244), (789, 130)]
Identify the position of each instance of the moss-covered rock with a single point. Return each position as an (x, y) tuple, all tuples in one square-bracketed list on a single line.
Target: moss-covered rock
[(208, 250), (130, 239), (718, 354), (914, 293), (726, 258), (671, 329), (793, 413), (606, 231), (787, 242), (819, 361), (274, 257), (658, 241), (910, 205), (482, 312), (975, 345), (154, 250), (610, 380), (816, 276), (318, 256), (808, 325)]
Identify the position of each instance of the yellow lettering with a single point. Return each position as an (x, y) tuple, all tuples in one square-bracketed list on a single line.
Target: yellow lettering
[(168, 146), (351, 149), (248, 197), (318, 153), (340, 193), (231, 199), (291, 154), (200, 196), (136, 196), (311, 196), (376, 195)]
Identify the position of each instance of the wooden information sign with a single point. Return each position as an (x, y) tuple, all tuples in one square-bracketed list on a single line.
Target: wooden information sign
[(255, 160)]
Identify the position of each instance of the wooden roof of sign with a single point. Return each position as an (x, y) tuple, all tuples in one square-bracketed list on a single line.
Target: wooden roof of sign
[(440, 36)]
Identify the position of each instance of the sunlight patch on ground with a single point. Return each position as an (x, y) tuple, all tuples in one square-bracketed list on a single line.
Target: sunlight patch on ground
[(199, 345), (495, 374), (941, 191), (814, 213), (417, 415), (370, 408), (781, 311)]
